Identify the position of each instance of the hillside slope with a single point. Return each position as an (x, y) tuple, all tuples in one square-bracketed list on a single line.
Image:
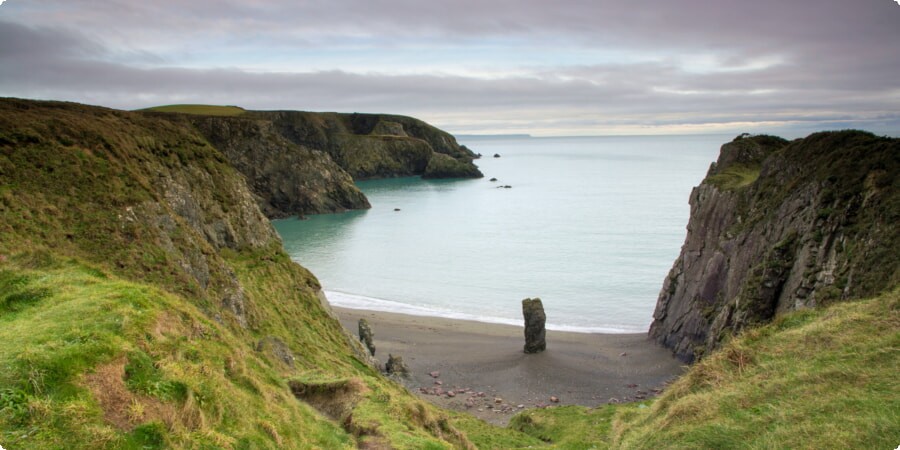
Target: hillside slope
[(146, 302), (821, 378), (777, 226)]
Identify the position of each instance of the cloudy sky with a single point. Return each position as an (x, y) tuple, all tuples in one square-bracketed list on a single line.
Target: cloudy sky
[(543, 67)]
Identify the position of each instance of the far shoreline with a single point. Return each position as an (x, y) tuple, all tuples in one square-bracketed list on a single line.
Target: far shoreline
[(470, 357)]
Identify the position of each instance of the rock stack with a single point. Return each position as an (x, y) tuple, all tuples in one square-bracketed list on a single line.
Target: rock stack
[(533, 310), (365, 335)]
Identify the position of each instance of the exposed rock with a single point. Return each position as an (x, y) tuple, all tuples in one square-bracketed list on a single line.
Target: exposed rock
[(554, 399), (445, 166), (287, 178), (396, 366), (533, 310), (496, 155), (493, 179), (276, 347), (434, 374), (777, 226), (366, 336), (359, 350)]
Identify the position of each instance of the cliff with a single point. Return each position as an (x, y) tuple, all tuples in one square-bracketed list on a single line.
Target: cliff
[(377, 145), (146, 301), (777, 226), (300, 162), (287, 178)]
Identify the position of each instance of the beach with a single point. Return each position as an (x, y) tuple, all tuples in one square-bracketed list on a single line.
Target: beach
[(489, 375)]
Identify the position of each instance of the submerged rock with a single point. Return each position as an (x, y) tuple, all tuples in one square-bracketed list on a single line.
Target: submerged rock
[(535, 319), (366, 335)]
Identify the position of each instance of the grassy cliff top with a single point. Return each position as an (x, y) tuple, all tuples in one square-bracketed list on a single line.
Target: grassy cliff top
[(202, 110)]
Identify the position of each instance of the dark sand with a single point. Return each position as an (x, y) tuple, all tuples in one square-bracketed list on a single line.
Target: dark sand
[(577, 368)]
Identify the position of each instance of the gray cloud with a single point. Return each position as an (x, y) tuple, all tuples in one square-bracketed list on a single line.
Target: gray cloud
[(820, 62)]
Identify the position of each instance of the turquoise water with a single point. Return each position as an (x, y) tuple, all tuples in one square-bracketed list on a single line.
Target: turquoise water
[(590, 225)]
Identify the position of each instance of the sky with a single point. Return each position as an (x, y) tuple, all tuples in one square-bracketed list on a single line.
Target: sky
[(565, 67)]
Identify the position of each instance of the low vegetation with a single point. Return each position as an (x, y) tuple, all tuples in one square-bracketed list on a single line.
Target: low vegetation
[(812, 379), (734, 177), (203, 110)]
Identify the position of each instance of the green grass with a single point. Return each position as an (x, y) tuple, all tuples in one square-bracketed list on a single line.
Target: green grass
[(120, 236), (567, 427), (823, 379), (180, 388), (734, 177), (203, 110)]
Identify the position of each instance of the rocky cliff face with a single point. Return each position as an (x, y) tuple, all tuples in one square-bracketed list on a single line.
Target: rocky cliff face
[(145, 195), (777, 226), (301, 162), (287, 178)]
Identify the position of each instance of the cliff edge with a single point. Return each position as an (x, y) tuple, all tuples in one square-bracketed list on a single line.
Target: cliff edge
[(300, 162), (146, 301), (777, 226)]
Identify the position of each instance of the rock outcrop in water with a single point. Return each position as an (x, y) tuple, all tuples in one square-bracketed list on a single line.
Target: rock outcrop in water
[(777, 226)]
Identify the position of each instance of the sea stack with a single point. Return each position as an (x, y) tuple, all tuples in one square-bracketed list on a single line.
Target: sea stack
[(365, 335), (533, 310)]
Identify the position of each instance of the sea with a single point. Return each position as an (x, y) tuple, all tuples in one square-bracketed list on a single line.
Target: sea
[(591, 225)]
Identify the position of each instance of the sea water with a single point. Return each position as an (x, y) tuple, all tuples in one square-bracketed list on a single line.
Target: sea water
[(589, 225)]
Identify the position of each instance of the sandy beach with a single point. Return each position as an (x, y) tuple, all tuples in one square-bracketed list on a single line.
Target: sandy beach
[(489, 375)]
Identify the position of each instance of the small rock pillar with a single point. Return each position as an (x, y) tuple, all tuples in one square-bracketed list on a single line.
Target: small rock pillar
[(535, 334), (365, 335)]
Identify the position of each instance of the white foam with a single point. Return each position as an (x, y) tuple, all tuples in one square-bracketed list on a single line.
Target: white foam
[(354, 301)]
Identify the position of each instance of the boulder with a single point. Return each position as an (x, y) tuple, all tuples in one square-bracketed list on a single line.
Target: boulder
[(396, 366), (535, 319)]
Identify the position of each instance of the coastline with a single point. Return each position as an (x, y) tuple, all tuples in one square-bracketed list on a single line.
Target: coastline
[(588, 369)]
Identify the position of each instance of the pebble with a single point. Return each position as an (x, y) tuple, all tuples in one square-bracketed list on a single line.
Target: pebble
[(434, 374), (554, 399)]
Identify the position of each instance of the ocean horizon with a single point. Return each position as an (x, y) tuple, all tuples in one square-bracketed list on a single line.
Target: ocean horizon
[(591, 225)]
